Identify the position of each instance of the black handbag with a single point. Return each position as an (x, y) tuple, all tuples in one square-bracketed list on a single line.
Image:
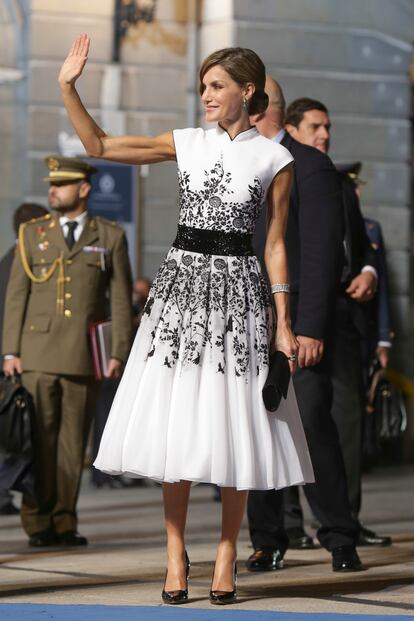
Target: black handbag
[(277, 381), (386, 417), (16, 413)]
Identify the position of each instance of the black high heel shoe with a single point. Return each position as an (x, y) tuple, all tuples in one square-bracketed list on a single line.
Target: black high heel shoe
[(181, 595), (225, 597)]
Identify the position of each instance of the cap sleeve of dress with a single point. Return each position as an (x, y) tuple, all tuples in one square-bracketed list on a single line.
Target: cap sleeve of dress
[(283, 157), (185, 141)]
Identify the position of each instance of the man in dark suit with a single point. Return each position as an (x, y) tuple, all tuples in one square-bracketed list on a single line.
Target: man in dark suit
[(314, 241), (23, 213), (378, 335), (307, 120)]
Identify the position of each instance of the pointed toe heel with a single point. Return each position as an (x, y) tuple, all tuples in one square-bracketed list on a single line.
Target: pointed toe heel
[(175, 597), (180, 596), (223, 598)]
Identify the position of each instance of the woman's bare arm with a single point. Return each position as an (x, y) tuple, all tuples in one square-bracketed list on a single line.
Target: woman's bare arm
[(129, 149), (276, 258)]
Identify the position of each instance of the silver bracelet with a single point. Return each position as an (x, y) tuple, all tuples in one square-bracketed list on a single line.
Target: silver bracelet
[(280, 287)]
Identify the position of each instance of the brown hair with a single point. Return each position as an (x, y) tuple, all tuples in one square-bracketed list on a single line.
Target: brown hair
[(297, 109), (243, 66)]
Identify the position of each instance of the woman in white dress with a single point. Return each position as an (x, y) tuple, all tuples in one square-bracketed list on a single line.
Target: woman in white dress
[(189, 407)]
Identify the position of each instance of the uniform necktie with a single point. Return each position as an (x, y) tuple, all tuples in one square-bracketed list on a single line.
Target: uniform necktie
[(70, 236)]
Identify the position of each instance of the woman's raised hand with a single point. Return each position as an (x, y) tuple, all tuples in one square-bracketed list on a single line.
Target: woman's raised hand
[(75, 60)]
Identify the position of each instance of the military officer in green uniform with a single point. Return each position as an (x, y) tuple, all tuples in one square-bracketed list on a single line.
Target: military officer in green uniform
[(65, 268)]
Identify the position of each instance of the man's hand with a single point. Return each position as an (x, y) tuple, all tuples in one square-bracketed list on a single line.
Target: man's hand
[(310, 351), (362, 287), (114, 368), (383, 354), (12, 366)]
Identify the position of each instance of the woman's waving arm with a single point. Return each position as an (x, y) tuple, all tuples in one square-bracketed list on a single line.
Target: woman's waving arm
[(128, 149)]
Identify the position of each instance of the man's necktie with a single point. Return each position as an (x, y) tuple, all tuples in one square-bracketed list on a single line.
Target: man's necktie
[(70, 236)]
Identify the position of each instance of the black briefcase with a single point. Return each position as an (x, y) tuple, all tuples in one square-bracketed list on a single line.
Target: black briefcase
[(386, 416), (277, 382), (16, 415), (16, 411)]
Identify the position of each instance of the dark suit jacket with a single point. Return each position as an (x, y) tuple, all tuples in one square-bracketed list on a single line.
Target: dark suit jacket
[(5, 269), (382, 298), (314, 239), (359, 254), (359, 249)]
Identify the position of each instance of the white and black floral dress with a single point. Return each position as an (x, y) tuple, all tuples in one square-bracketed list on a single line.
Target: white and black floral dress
[(189, 406)]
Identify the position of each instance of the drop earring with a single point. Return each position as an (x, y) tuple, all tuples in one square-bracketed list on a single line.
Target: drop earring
[(245, 105)]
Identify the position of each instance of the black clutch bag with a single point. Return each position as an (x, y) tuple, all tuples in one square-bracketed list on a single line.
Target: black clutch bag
[(277, 382)]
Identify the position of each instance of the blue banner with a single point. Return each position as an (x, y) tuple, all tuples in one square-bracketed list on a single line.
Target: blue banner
[(113, 194)]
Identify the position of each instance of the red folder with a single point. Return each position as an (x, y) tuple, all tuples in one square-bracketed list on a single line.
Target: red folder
[(100, 334)]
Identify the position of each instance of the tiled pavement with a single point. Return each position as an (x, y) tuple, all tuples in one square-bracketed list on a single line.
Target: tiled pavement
[(124, 563)]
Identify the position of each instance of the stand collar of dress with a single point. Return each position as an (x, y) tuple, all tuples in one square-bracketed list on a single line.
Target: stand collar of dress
[(244, 135)]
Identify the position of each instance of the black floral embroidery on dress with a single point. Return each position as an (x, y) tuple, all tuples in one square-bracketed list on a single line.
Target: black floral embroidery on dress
[(205, 306), (212, 308), (211, 207)]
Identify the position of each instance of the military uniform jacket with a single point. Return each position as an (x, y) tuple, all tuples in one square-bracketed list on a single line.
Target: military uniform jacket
[(53, 337)]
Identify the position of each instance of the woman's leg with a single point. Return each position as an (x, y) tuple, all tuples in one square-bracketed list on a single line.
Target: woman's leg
[(233, 509), (175, 510)]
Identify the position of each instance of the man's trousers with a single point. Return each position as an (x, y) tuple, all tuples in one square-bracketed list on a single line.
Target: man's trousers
[(64, 407), (328, 496)]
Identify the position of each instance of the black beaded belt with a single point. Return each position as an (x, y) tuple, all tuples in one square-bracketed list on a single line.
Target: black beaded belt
[(206, 241)]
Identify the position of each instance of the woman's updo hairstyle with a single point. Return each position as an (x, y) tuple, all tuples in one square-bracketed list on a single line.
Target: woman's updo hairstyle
[(243, 66)]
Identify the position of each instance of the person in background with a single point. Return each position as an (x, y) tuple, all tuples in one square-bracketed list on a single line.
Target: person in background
[(314, 237), (307, 121), (107, 389), (140, 292), (379, 337), (23, 213), (63, 268), (381, 345)]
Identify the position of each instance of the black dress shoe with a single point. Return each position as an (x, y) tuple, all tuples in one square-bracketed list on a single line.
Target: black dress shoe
[(299, 539), (265, 559), (43, 539), (345, 558), (368, 537), (71, 538)]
